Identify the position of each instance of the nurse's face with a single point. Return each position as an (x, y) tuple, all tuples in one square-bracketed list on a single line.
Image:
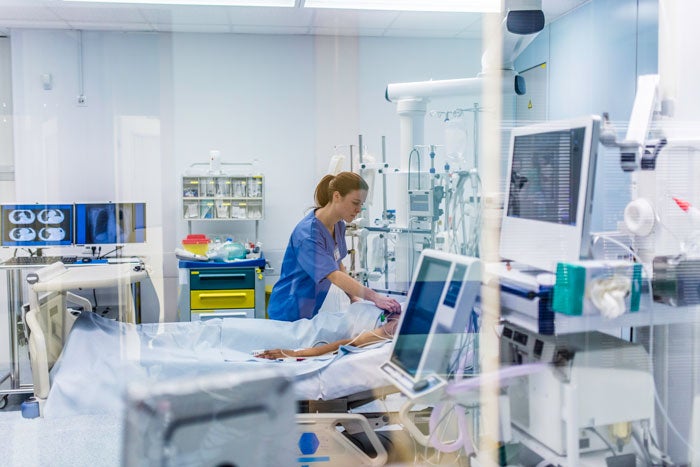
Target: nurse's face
[(350, 205)]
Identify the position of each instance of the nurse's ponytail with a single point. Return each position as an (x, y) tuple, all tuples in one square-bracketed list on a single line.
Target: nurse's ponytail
[(323, 194), (343, 183)]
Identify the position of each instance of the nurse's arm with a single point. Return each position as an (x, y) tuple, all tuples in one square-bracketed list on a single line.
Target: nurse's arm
[(353, 298), (353, 288)]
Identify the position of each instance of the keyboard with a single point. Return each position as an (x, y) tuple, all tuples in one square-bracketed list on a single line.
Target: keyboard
[(39, 260)]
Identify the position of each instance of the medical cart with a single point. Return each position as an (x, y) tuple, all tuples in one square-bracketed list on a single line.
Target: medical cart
[(209, 289)]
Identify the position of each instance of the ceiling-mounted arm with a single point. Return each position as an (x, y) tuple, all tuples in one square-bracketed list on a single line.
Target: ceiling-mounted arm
[(637, 151), (522, 21)]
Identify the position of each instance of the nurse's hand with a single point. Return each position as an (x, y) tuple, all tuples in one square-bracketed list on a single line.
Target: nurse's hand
[(386, 303)]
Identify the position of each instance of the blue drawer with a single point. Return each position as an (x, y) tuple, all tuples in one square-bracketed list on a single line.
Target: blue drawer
[(222, 279)]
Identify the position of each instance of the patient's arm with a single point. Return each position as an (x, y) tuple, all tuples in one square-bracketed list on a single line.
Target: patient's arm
[(368, 337)]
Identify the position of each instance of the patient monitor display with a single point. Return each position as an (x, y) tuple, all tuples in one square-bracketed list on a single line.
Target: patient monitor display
[(27, 225), (549, 192), (107, 223), (440, 302)]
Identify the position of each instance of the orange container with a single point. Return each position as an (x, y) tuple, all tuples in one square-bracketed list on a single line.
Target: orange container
[(197, 244)]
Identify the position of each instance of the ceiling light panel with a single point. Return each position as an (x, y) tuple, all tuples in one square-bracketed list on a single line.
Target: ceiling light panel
[(262, 3), (464, 6)]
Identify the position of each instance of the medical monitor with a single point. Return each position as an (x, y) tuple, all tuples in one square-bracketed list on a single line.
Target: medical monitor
[(36, 225), (440, 301), (241, 418), (549, 192), (110, 223)]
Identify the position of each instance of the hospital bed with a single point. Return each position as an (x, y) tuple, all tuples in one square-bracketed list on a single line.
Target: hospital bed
[(99, 356), (81, 362)]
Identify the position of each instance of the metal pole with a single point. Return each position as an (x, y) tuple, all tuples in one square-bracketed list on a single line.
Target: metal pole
[(385, 215), (476, 135)]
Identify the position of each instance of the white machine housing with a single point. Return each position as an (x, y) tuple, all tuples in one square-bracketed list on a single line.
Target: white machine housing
[(611, 378), (440, 300)]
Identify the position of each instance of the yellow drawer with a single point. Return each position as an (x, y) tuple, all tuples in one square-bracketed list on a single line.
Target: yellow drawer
[(211, 299)]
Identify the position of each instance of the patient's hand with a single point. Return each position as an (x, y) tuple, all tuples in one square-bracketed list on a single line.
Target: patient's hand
[(274, 354)]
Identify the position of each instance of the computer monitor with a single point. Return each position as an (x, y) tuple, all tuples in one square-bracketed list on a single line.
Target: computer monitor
[(110, 223), (549, 192), (241, 418), (440, 301), (36, 225)]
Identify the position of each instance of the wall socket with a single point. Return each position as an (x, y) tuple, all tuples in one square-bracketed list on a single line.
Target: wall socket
[(82, 100)]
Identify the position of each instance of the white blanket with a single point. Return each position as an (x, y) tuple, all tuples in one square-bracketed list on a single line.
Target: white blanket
[(101, 357)]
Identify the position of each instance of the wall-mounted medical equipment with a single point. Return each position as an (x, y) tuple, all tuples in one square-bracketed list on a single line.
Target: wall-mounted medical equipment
[(609, 288), (440, 301), (242, 419), (549, 192), (36, 225), (110, 223), (421, 208), (592, 380)]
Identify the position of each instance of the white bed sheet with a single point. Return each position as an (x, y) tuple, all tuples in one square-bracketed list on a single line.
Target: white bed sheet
[(101, 357)]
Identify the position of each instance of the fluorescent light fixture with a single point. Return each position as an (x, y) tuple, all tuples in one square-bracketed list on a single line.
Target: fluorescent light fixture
[(266, 3), (454, 6)]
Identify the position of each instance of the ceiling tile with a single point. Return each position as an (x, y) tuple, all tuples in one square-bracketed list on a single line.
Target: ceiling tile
[(437, 33), (99, 14), (183, 27), (353, 18), (336, 31), (291, 30), (252, 20), (114, 26), (436, 21), (271, 16), (36, 24), (186, 15), (33, 13)]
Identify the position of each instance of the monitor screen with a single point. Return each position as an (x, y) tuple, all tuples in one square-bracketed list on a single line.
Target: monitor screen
[(549, 192), (546, 175), (110, 223), (36, 225), (419, 314)]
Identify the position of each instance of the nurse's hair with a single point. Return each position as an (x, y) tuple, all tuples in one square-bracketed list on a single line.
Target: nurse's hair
[(343, 183)]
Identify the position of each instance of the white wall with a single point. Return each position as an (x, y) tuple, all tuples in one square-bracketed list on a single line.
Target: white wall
[(283, 100)]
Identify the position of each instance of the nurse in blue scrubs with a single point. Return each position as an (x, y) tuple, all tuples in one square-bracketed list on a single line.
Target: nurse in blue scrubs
[(312, 261)]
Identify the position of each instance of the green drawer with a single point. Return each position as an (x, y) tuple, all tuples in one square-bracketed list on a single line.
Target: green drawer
[(222, 279)]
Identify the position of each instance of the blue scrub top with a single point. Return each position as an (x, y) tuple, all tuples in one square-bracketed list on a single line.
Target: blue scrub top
[(312, 254)]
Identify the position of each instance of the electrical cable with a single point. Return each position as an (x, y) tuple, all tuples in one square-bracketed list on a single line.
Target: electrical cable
[(602, 438), (410, 155), (437, 419), (640, 445), (100, 256)]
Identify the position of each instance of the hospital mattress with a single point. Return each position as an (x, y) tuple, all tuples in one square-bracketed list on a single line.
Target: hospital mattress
[(101, 357)]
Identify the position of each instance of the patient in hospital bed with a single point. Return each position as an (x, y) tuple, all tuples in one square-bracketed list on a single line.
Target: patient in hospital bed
[(383, 333), (101, 357)]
